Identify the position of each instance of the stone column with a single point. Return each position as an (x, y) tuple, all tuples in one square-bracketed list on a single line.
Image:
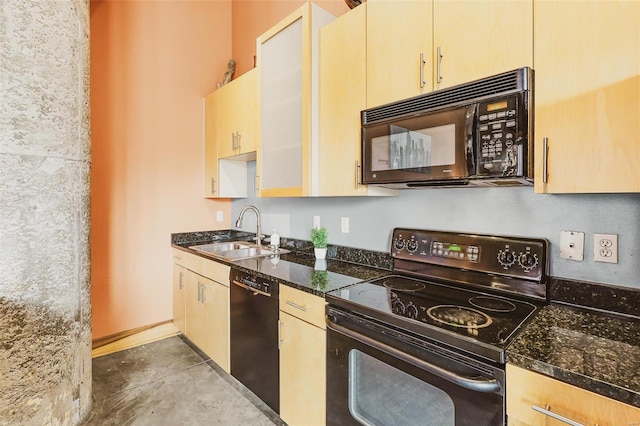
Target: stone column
[(45, 160)]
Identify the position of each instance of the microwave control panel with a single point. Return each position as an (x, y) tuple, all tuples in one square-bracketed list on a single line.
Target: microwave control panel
[(499, 137)]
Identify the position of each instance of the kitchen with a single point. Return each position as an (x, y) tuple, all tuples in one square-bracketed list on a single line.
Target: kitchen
[(164, 183)]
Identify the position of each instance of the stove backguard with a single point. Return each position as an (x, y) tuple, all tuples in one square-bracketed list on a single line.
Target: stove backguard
[(506, 264)]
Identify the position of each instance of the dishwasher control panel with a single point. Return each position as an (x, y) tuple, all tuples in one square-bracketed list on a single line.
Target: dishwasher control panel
[(251, 282)]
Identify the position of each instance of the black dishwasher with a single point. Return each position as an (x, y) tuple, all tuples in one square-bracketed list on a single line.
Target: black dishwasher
[(254, 335)]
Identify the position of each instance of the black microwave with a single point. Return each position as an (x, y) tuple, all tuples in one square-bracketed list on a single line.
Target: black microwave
[(479, 134)]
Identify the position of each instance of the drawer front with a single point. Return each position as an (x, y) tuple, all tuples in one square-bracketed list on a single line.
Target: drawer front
[(534, 400), (303, 305), (188, 260), (218, 272)]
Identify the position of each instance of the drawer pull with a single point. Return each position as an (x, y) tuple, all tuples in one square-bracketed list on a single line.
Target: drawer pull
[(547, 412), (295, 305)]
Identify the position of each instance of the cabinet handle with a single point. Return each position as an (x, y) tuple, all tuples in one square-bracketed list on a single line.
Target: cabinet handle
[(545, 159), (280, 341), (357, 173), (257, 185), (295, 305), (422, 63), (199, 290), (180, 281), (547, 412), (238, 139), (213, 186), (439, 65), (233, 141)]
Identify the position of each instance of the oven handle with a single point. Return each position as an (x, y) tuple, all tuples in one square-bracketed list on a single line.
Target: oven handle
[(478, 385)]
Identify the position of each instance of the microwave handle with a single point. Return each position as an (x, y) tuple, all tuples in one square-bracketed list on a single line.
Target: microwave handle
[(472, 112)]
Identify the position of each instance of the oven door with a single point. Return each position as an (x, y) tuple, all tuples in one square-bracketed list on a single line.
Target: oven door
[(428, 148), (379, 376)]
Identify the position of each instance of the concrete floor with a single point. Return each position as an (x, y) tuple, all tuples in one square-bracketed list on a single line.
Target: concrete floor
[(170, 383)]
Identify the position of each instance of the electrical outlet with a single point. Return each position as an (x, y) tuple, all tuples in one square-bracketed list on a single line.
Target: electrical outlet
[(316, 222), (219, 215), (344, 225), (605, 248), (572, 245)]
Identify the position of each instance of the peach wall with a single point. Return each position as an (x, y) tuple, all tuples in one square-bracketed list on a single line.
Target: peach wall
[(152, 62), (251, 18)]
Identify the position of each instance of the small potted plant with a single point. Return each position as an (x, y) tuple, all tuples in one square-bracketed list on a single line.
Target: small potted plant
[(319, 239)]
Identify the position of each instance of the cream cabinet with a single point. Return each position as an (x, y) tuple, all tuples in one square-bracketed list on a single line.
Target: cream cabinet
[(230, 137), (179, 297), (537, 400), (287, 56), (587, 96), (414, 47), (202, 288), (342, 96), (474, 39), (237, 130), (302, 344), (398, 45), (211, 181)]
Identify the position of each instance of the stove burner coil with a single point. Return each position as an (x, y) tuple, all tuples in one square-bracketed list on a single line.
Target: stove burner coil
[(459, 316), (403, 285), (492, 304)]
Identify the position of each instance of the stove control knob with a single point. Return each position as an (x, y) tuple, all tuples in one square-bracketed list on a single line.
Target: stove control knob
[(412, 246), (399, 244), (412, 311), (397, 307), (528, 261), (506, 258)]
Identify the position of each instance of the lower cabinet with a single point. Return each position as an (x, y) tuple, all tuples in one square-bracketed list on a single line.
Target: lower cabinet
[(534, 399), (201, 304), (303, 342)]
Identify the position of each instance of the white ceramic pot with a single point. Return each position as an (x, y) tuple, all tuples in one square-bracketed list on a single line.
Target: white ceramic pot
[(320, 253)]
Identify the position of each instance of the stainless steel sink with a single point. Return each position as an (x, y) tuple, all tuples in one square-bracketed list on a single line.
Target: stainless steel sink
[(236, 250)]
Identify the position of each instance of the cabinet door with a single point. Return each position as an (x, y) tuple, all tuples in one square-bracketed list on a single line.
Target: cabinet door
[(179, 296), (587, 96), (211, 183), (302, 372), (526, 389), (237, 111), (398, 33), (244, 107), (288, 118), (480, 38), (215, 339), (194, 308)]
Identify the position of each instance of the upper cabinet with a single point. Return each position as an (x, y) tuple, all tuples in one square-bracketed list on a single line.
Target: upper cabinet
[(211, 183), (287, 57), (419, 46), (237, 132), (398, 46), (587, 96), (230, 137), (474, 39), (343, 47)]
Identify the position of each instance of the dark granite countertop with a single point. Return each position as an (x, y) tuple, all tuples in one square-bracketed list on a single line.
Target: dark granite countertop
[(592, 350), (588, 337), (299, 269)]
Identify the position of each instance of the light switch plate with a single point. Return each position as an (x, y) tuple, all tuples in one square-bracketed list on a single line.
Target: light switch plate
[(572, 245)]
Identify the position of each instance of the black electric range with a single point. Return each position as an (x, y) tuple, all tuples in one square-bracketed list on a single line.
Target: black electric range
[(465, 292)]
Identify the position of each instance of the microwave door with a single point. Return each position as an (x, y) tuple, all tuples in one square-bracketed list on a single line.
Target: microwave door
[(429, 147)]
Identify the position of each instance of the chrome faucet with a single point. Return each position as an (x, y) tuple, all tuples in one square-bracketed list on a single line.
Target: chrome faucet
[(239, 222)]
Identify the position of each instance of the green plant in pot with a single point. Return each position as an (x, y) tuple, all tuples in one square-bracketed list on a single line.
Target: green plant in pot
[(319, 239)]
